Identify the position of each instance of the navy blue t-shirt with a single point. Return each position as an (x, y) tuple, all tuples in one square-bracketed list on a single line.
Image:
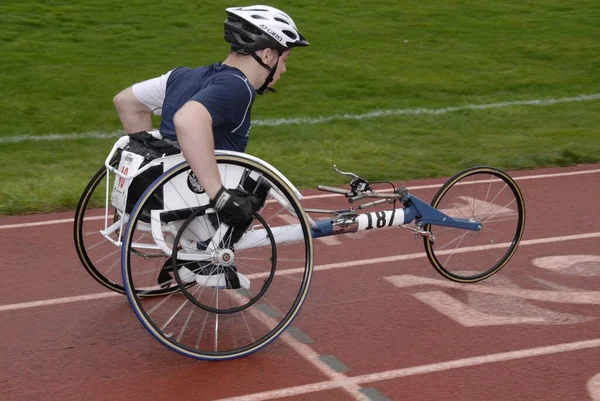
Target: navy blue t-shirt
[(226, 94)]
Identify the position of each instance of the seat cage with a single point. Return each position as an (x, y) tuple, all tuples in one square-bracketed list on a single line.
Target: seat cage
[(129, 168)]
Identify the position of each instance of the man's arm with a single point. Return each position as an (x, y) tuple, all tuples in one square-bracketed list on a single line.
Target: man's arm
[(135, 116), (193, 124)]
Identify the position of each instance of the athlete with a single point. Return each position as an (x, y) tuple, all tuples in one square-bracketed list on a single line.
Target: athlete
[(209, 107)]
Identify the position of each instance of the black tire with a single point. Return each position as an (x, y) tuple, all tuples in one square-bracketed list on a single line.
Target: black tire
[(100, 258), (213, 324), (486, 194), (82, 237)]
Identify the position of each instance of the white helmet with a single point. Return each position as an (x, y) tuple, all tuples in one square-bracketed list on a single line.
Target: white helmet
[(260, 27)]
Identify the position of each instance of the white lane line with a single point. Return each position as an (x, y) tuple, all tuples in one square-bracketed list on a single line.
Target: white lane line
[(47, 223), (337, 117), (331, 266), (433, 186), (311, 357), (415, 188), (418, 255), (423, 369), (58, 301)]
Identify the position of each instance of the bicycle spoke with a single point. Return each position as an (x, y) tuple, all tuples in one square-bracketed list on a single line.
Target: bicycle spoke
[(213, 320), (495, 202)]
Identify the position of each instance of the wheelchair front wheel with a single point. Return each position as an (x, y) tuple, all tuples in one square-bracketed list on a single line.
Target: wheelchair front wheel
[(487, 195)]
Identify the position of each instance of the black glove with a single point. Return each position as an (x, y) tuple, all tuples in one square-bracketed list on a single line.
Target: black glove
[(235, 207)]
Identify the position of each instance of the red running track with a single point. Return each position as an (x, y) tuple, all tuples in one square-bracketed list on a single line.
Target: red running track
[(369, 330)]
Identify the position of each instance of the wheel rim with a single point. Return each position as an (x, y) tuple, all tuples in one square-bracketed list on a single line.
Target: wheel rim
[(234, 326), (223, 259), (487, 195), (99, 257)]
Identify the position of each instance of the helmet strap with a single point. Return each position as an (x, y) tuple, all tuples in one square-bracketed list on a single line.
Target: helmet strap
[(265, 87)]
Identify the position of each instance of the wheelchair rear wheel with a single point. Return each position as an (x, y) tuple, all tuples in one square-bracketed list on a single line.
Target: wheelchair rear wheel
[(99, 256), (239, 289)]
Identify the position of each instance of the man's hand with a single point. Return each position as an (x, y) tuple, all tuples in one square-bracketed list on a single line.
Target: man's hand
[(235, 208)]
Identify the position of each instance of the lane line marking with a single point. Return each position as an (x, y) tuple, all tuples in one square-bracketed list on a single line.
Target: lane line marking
[(58, 301), (301, 347), (593, 387), (47, 223), (418, 255), (466, 315), (299, 335), (482, 308), (336, 117), (334, 363), (310, 197), (374, 394), (433, 186), (579, 297), (420, 370), (331, 266)]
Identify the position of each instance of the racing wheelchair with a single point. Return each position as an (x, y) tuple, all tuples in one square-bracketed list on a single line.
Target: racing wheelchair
[(144, 227)]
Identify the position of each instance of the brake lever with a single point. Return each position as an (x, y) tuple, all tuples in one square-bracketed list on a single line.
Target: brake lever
[(349, 174), (357, 184)]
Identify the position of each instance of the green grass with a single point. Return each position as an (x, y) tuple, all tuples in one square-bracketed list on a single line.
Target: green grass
[(62, 62)]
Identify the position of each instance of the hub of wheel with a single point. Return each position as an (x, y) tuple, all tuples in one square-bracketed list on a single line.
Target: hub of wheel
[(223, 257)]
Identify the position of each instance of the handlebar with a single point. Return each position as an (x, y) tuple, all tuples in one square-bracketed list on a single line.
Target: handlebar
[(357, 197), (360, 189), (353, 198), (334, 190), (374, 203)]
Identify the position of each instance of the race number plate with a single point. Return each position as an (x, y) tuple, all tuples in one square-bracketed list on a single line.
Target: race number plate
[(129, 165)]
